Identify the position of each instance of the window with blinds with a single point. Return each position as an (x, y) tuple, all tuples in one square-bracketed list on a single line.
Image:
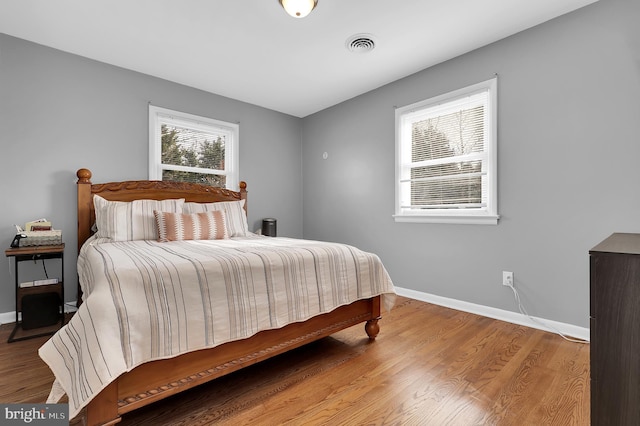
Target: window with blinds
[(446, 158), (188, 148)]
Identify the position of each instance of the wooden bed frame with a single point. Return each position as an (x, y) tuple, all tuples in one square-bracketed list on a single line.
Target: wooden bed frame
[(156, 380)]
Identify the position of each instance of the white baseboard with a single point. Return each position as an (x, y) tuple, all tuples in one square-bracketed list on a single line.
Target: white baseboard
[(9, 317), (499, 314)]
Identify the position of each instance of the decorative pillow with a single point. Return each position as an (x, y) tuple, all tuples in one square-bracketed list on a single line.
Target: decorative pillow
[(191, 226), (237, 225), (127, 221)]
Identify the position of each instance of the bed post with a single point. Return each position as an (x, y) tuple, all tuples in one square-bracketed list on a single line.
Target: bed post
[(243, 194), (103, 409), (84, 215), (84, 205), (371, 327)]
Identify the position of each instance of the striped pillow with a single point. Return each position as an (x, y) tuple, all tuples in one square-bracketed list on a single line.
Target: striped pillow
[(234, 210), (194, 226), (128, 221)]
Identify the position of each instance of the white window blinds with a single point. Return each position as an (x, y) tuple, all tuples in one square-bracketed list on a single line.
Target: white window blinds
[(446, 155), (188, 148)]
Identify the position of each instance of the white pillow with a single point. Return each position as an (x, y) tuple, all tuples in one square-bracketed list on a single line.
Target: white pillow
[(234, 210), (127, 221)]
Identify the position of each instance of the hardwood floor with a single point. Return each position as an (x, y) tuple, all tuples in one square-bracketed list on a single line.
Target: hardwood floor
[(429, 366)]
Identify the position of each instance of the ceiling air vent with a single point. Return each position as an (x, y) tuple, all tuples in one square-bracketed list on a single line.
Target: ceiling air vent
[(360, 43)]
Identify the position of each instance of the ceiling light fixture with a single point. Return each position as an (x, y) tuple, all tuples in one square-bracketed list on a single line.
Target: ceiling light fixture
[(298, 8)]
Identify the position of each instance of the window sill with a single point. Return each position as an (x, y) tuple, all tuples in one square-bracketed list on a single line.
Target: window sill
[(459, 220)]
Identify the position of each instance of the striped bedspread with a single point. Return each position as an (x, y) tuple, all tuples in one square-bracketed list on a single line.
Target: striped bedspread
[(145, 300)]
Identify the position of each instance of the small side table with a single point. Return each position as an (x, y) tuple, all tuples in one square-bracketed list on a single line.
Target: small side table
[(36, 253)]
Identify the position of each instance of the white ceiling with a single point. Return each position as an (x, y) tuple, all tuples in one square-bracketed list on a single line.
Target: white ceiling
[(251, 50)]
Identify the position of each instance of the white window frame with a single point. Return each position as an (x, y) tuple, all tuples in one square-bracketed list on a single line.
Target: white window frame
[(159, 116), (486, 214)]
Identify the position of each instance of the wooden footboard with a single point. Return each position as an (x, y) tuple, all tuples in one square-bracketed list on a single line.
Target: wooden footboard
[(156, 380)]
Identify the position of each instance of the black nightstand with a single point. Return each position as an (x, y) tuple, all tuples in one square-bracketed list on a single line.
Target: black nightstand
[(42, 306)]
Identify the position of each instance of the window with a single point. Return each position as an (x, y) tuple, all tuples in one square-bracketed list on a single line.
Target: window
[(189, 148), (446, 155)]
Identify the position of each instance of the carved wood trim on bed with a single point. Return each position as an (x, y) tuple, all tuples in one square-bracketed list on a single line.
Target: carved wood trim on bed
[(144, 189), (156, 380)]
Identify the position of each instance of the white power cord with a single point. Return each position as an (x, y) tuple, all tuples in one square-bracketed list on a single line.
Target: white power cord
[(523, 311)]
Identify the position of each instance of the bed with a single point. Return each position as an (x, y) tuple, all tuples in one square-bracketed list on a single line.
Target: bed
[(135, 292)]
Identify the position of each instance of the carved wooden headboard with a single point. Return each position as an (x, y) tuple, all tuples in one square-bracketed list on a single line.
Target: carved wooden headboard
[(143, 189)]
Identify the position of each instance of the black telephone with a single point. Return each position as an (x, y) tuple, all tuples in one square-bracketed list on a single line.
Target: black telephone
[(16, 240)]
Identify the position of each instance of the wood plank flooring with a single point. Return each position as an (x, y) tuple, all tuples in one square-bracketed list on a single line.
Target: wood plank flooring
[(429, 366)]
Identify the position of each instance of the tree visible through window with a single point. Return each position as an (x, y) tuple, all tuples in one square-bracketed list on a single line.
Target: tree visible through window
[(188, 148), (446, 158), (184, 147), (450, 136)]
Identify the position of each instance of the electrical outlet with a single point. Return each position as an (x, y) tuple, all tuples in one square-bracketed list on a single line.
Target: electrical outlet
[(507, 278)]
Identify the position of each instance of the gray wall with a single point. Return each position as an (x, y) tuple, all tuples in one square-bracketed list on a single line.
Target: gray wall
[(569, 172), (569, 114), (60, 112)]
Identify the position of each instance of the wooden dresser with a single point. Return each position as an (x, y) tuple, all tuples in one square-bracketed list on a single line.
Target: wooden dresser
[(615, 331)]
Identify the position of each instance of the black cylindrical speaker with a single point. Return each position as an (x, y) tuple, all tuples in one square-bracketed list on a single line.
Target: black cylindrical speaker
[(269, 227)]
